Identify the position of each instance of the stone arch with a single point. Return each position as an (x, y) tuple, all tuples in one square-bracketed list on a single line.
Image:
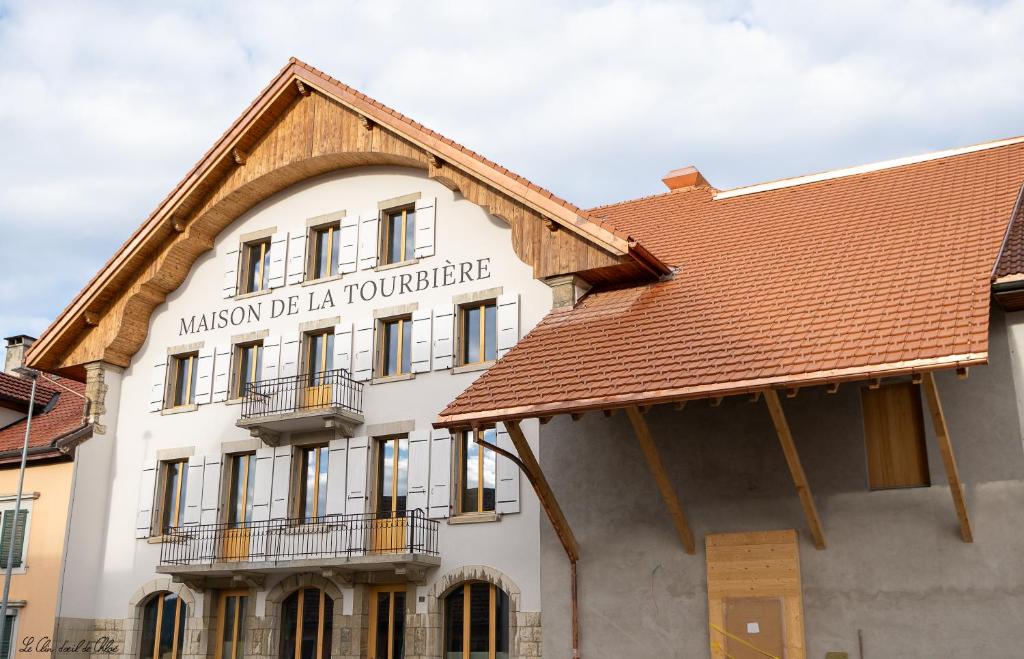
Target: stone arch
[(285, 587), (448, 581), (137, 602)]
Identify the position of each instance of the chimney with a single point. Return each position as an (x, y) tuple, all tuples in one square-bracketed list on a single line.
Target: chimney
[(684, 178), (17, 346)]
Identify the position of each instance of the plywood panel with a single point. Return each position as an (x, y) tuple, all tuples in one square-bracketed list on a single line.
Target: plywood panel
[(746, 573), (894, 437), (755, 627)]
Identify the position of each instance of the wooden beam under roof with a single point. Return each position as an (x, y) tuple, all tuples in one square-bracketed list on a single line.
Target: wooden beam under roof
[(803, 489), (931, 394), (668, 493)]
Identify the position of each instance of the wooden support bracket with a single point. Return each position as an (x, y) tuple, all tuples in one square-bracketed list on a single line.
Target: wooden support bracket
[(301, 86), (239, 156), (680, 405), (576, 416), (803, 490), (931, 394), (832, 388), (668, 493)]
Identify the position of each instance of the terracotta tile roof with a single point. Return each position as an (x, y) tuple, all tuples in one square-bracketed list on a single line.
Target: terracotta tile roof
[(18, 390), (882, 272), (1011, 261), (66, 415)]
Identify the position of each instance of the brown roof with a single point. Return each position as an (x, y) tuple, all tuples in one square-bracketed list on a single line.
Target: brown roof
[(1011, 260), (61, 413), (853, 276)]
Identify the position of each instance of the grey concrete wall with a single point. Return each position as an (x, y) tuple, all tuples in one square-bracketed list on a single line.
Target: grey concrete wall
[(895, 569)]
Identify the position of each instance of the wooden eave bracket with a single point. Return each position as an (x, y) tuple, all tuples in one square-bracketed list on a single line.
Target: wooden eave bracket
[(956, 489), (366, 121), (239, 156), (435, 161), (301, 86), (92, 318)]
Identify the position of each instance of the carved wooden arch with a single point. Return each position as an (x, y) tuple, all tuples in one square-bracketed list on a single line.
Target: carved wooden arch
[(312, 135)]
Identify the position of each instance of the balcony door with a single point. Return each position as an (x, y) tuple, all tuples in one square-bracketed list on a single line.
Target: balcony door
[(319, 361), (387, 622), (231, 611), (242, 467), (392, 494)]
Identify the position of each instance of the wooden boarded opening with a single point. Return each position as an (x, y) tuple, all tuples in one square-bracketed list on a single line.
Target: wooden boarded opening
[(755, 604), (894, 437)]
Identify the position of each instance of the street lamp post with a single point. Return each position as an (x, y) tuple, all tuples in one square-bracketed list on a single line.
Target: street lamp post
[(9, 569)]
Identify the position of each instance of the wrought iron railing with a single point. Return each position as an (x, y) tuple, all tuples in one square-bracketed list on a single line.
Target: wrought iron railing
[(277, 540), (304, 392)]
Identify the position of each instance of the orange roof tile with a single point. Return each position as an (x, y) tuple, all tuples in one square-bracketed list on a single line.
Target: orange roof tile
[(886, 271)]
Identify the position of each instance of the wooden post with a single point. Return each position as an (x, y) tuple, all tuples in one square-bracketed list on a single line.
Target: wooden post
[(931, 393), (668, 493), (771, 398), (544, 492)]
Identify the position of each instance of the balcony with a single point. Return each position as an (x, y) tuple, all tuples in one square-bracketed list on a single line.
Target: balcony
[(304, 402), (404, 544)]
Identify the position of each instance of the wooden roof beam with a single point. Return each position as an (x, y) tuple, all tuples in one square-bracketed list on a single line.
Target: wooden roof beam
[(668, 493), (803, 489), (931, 394)]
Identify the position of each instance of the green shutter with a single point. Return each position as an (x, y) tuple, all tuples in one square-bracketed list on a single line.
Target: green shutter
[(5, 635), (19, 541)]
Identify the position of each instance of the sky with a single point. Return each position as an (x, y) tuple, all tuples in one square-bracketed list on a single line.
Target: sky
[(106, 105)]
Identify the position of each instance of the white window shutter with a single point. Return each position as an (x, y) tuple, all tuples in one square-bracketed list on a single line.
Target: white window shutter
[(369, 241), (278, 255), (444, 339), (421, 321), (204, 376), (343, 347), (355, 487), (262, 482), (440, 496), (271, 357), (289, 355), (348, 244), (210, 512), (425, 220), (419, 470), (337, 465), (194, 490), (147, 490), (362, 350), (156, 396), (231, 272), (221, 374), (281, 482), (508, 323), (296, 258), (507, 489)]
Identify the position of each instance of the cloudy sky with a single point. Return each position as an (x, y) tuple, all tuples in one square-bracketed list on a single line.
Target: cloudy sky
[(105, 105)]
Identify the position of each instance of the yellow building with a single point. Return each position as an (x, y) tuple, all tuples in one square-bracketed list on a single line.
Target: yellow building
[(58, 425)]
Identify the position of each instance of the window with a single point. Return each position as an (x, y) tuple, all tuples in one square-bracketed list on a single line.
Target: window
[(477, 472), (249, 360), (324, 254), (479, 334), (231, 610), (9, 531), (395, 347), (894, 436), (387, 622), (172, 500), (399, 239), (476, 622), (306, 625), (7, 636), (183, 386), (255, 266), (163, 627), (312, 482), (242, 474), (319, 355), (392, 476)]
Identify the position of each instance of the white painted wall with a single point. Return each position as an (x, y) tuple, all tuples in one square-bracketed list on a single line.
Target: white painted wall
[(464, 233)]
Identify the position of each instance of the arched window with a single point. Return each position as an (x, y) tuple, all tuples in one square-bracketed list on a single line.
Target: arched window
[(306, 625), (163, 627), (476, 622)]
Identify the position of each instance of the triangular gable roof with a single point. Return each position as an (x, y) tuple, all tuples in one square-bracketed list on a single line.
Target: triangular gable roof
[(108, 319)]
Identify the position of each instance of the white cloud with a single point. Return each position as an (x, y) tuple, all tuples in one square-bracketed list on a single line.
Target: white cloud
[(107, 104)]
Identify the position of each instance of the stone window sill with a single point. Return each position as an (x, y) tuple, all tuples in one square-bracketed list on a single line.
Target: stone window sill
[(398, 264), (246, 296), (474, 518), (321, 280), (393, 378), (234, 401), (180, 409), (471, 368)]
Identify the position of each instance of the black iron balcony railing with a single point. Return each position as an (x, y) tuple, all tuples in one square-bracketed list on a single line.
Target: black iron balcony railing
[(274, 541), (323, 390)]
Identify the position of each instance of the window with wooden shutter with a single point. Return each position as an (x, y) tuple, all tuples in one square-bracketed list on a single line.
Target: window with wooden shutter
[(894, 437), (6, 636), (19, 537)]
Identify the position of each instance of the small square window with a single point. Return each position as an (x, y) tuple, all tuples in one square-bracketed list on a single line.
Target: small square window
[(478, 332), (256, 266), (323, 253), (248, 367), (395, 347), (398, 238), (183, 379)]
